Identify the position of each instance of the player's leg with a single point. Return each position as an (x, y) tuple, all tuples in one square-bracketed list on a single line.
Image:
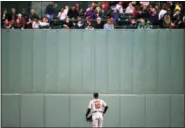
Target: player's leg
[(94, 122), (100, 122)]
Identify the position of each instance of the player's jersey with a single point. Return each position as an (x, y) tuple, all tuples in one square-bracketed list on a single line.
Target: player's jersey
[(97, 105)]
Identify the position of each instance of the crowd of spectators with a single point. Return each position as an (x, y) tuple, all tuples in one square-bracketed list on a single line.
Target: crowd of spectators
[(100, 15)]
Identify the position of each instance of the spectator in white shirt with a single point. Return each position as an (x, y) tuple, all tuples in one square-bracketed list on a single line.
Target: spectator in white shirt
[(130, 8), (44, 23), (66, 9), (62, 15), (35, 24), (163, 11), (119, 7)]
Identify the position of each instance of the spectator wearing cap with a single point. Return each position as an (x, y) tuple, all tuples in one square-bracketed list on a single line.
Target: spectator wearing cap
[(22, 21), (73, 13), (109, 25), (98, 24)]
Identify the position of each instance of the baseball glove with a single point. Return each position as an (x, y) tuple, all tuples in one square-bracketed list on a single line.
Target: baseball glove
[(89, 119)]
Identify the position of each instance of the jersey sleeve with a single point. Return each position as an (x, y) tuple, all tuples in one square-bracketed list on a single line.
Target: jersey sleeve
[(104, 103), (89, 106)]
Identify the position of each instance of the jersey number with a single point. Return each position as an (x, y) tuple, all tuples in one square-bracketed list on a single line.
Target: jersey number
[(97, 105)]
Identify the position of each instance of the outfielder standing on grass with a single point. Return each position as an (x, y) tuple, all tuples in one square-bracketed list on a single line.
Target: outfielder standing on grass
[(98, 107)]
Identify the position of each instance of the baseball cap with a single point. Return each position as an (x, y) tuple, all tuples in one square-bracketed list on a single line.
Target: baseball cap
[(19, 15)]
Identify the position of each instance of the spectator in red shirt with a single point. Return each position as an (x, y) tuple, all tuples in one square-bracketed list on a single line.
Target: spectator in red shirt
[(17, 24), (105, 5), (22, 21)]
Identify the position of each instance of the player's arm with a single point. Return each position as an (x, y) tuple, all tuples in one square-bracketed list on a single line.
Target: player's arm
[(106, 107), (88, 109)]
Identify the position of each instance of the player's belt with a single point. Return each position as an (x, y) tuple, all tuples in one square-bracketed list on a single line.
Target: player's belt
[(97, 111)]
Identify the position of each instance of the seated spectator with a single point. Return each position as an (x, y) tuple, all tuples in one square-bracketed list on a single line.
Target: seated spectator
[(22, 21), (77, 5), (90, 13), (29, 24), (67, 24), (163, 11), (33, 14), (13, 15), (98, 11), (62, 14), (24, 14), (130, 8), (141, 24), (153, 16), (4, 15), (50, 11), (44, 23), (98, 24), (166, 21), (17, 24), (66, 9), (35, 23), (89, 25), (7, 24), (177, 17), (73, 13), (109, 25), (182, 23), (119, 7), (94, 5), (115, 15), (105, 5), (144, 4), (79, 24), (81, 12)]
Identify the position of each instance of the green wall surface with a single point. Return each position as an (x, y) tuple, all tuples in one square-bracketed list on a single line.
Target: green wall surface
[(48, 77)]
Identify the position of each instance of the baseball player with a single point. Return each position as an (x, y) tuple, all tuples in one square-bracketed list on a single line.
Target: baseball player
[(98, 107)]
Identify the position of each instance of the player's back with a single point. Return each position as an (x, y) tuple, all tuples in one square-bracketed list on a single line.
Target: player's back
[(97, 105)]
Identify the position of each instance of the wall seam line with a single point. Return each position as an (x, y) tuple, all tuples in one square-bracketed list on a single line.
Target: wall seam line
[(82, 58), (133, 51)]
